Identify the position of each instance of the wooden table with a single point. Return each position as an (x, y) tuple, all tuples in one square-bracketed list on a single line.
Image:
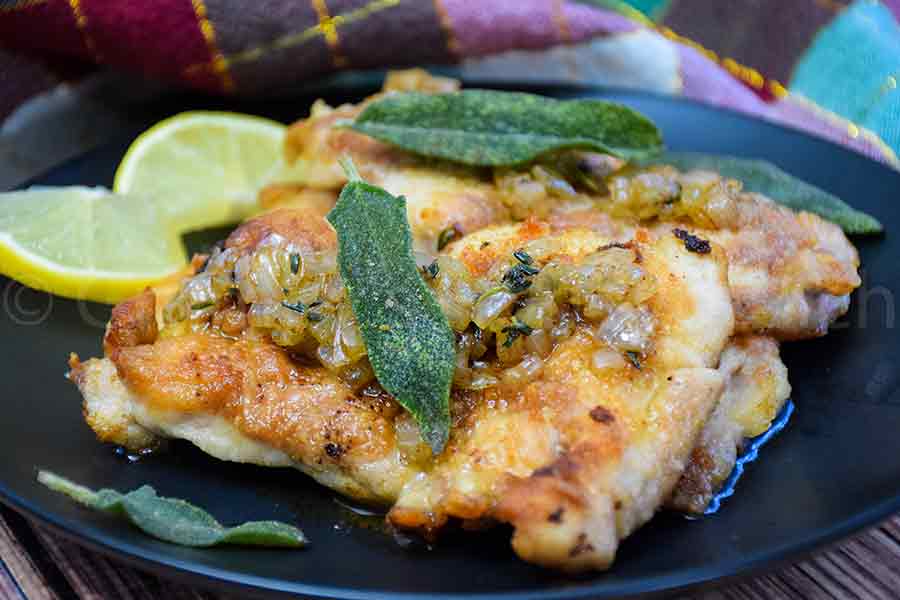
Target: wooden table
[(38, 565)]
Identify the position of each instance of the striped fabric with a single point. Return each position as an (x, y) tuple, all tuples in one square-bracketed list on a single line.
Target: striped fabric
[(828, 66)]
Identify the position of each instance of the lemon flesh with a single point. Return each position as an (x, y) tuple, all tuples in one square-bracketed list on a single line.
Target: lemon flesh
[(203, 169), (86, 243)]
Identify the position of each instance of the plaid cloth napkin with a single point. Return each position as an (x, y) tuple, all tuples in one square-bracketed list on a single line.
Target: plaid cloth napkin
[(828, 66)]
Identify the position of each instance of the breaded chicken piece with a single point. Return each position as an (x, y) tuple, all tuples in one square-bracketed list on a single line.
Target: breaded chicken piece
[(790, 276), (578, 459), (575, 458), (790, 273), (439, 196)]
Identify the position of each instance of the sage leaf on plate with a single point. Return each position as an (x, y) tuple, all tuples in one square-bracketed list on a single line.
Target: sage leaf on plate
[(408, 340), (767, 179), (493, 128), (173, 520)]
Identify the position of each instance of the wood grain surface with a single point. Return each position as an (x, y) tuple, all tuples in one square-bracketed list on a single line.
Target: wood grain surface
[(38, 565)]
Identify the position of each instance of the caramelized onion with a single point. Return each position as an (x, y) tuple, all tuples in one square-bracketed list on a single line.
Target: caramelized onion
[(490, 305), (508, 320)]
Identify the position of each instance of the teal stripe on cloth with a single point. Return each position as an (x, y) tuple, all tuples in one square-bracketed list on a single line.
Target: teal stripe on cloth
[(652, 8), (853, 69)]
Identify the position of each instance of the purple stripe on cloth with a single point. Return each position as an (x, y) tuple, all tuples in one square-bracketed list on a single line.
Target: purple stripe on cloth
[(247, 25), (894, 5), (585, 22), (414, 29), (794, 114), (527, 24), (706, 82)]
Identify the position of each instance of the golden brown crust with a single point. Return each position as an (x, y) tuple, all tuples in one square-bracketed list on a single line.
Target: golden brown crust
[(297, 196), (790, 273), (575, 428), (310, 231), (556, 456), (438, 195), (304, 412), (108, 405), (482, 249), (133, 322), (756, 388), (571, 514), (418, 80), (318, 144), (188, 373)]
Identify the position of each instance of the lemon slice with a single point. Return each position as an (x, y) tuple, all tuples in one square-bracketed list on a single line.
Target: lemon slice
[(203, 169), (86, 243)]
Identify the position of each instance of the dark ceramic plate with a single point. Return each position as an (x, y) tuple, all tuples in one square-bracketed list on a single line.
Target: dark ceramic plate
[(833, 470)]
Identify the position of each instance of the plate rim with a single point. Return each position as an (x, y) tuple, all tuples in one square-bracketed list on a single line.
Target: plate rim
[(222, 579)]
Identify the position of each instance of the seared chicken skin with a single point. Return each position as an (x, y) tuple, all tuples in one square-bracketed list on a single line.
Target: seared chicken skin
[(756, 388), (575, 456), (790, 273)]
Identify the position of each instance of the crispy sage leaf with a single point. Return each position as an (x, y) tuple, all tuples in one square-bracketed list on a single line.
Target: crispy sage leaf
[(408, 340), (174, 520), (492, 128), (767, 179)]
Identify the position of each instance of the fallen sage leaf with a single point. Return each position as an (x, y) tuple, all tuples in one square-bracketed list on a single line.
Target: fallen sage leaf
[(173, 520)]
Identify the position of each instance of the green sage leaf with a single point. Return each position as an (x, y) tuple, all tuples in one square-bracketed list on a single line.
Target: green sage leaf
[(492, 128), (408, 340), (173, 520), (767, 179)]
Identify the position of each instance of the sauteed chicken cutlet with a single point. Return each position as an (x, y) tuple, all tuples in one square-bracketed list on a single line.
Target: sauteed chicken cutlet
[(616, 337)]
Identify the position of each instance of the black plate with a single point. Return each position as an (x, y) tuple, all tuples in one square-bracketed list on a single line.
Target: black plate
[(835, 469)]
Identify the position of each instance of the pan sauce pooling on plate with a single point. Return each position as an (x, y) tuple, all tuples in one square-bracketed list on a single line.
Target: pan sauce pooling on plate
[(617, 339)]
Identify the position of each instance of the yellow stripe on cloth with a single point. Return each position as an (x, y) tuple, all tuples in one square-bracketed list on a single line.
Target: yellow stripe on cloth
[(218, 62)]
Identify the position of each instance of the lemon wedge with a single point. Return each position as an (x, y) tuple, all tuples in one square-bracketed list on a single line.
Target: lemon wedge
[(86, 243), (203, 169)]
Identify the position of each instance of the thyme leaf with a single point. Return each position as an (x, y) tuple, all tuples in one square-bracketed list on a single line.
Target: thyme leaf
[(514, 331)]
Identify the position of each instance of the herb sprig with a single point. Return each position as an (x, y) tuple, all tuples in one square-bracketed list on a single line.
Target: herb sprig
[(173, 520), (518, 278), (514, 331)]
